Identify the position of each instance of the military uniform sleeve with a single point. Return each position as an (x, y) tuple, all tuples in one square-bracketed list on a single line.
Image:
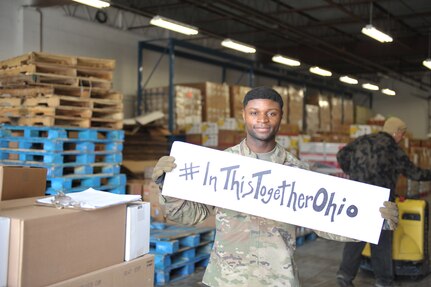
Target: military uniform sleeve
[(344, 156), (409, 169), (335, 237), (184, 211)]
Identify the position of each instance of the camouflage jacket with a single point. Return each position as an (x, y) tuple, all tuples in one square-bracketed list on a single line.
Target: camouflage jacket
[(378, 160), (248, 251)]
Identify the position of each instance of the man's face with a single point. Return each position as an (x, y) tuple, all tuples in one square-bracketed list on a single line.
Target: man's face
[(262, 119), (399, 135)]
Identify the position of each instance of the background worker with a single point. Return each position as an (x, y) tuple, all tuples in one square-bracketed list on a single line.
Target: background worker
[(249, 250), (376, 159)]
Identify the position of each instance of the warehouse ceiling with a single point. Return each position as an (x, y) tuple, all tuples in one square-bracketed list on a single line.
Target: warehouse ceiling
[(326, 33)]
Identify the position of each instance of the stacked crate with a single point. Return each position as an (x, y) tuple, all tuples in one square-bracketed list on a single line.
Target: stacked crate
[(59, 112), (58, 90), (187, 105), (75, 158)]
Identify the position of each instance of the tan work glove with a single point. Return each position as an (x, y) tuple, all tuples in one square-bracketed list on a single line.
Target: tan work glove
[(390, 213), (165, 164)]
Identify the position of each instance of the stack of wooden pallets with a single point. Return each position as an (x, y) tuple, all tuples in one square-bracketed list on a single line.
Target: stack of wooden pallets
[(58, 90)]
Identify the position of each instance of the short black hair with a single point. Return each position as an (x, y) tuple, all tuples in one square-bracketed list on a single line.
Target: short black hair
[(263, 93)]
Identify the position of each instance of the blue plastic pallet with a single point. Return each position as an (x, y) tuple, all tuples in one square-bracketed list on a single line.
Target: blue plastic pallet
[(93, 134), (59, 145), (164, 260), (179, 271), (15, 156), (74, 183), (300, 240), (117, 189), (172, 238)]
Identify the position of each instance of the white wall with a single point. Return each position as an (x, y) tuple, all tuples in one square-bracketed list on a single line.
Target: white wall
[(10, 29), (20, 33), (406, 105)]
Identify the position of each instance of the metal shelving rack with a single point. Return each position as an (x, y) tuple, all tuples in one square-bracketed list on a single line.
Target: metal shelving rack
[(180, 48)]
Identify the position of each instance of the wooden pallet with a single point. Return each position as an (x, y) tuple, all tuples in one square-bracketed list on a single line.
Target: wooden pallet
[(39, 68), (9, 102), (46, 58), (64, 83), (38, 57), (50, 121), (27, 91), (106, 123)]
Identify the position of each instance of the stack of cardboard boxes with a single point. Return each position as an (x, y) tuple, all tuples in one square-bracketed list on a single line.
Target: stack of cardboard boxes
[(47, 246)]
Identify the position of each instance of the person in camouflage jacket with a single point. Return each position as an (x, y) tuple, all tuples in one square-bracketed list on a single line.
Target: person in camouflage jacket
[(376, 159), (248, 251)]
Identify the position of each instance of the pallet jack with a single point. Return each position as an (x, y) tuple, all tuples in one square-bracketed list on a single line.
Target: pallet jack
[(410, 251)]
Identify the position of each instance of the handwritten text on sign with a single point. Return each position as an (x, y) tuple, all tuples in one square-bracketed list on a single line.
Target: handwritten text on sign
[(277, 192)]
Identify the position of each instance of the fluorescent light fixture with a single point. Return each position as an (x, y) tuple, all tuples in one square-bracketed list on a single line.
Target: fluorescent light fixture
[(427, 63), (94, 3), (348, 80), (285, 61), (371, 87), (238, 46), (320, 71), (173, 25), (389, 92), (378, 35)]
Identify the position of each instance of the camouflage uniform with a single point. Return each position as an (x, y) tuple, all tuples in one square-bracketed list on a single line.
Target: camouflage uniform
[(378, 160), (249, 251)]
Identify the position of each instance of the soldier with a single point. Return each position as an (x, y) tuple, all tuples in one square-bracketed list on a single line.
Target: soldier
[(249, 250), (376, 159)]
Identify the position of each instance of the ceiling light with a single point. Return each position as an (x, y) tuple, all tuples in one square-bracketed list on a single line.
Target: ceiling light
[(427, 63), (389, 92), (378, 35), (348, 80), (371, 87), (285, 61), (238, 46), (94, 3), (174, 25), (321, 72)]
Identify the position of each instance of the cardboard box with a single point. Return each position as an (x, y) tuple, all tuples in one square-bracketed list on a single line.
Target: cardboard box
[(21, 202), (137, 230), (19, 182), (48, 245), (136, 273), (149, 191)]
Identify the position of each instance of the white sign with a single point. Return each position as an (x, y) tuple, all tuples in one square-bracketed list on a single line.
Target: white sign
[(276, 191)]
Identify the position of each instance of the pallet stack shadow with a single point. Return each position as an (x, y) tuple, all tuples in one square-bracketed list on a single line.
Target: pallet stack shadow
[(179, 250), (75, 158), (58, 90)]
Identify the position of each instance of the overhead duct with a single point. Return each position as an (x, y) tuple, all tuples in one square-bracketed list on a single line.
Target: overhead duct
[(45, 3)]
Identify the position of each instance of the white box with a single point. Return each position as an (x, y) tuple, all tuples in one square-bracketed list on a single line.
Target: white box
[(137, 230), (4, 249)]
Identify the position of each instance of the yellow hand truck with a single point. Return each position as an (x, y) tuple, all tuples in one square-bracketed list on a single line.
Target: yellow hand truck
[(410, 250)]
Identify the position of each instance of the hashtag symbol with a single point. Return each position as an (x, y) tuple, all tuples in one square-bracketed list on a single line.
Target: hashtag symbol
[(189, 171)]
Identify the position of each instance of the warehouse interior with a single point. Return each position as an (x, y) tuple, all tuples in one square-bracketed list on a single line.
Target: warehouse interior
[(135, 75)]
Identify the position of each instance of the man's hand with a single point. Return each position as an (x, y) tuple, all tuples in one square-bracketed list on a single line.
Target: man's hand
[(390, 213), (165, 164)]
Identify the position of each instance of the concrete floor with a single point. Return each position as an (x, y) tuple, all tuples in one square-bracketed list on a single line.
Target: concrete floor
[(318, 262)]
